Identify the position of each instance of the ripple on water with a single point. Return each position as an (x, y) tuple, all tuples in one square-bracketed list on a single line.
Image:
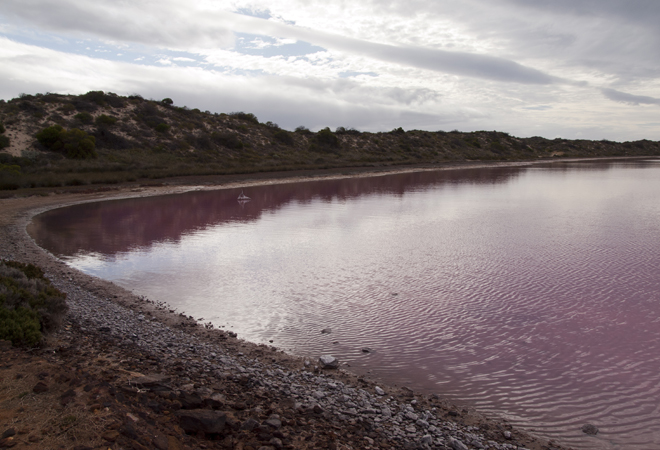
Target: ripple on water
[(532, 294)]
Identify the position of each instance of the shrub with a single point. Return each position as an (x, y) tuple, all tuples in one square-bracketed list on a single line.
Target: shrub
[(228, 140), (74, 143), (2, 128), (162, 127), (248, 117), (29, 304), (97, 97), (67, 108), (48, 137), (343, 130), (105, 120), (10, 168), (167, 101), (84, 117), (270, 124), (284, 137), (326, 138), (4, 142), (303, 130)]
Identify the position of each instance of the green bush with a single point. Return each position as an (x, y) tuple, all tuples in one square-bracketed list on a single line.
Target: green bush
[(29, 304), (227, 140), (326, 138), (248, 117), (84, 117), (284, 137), (74, 143), (162, 127), (2, 128), (105, 120), (167, 101), (4, 142), (10, 168)]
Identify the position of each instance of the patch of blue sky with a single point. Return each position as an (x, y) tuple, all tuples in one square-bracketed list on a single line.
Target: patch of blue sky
[(260, 13), (94, 48), (267, 46), (350, 74)]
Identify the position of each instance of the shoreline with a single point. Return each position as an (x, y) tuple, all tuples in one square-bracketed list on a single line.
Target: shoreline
[(210, 363)]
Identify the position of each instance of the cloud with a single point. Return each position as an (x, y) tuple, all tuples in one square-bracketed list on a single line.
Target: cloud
[(162, 25), (630, 99)]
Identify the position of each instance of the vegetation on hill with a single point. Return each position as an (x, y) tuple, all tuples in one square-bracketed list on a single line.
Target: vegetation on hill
[(29, 304), (101, 137)]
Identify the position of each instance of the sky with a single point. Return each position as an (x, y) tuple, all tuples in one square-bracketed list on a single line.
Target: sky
[(575, 69)]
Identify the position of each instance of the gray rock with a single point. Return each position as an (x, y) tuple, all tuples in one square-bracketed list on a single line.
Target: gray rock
[(457, 444), (205, 420), (274, 421), (329, 362), (249, 424), (379, 391)]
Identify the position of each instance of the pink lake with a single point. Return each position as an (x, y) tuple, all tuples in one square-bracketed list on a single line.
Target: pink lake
[(530, 292)]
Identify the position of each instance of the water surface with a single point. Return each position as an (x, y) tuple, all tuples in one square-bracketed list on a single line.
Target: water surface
[(529, 292)]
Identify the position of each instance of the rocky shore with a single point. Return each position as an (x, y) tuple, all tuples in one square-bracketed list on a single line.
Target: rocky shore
[(127, 372)]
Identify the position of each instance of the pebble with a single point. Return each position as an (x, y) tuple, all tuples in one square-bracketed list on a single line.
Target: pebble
[(315, 392)]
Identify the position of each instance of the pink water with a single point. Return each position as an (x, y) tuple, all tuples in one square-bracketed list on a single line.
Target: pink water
[(529, 292)]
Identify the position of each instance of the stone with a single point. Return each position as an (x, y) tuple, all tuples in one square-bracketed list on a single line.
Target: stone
[(249, 424), (8, 433), (40, 388), (457, 444), (590, 429), (274, 421), (159, 441), (110, 436), (366, 350), (8, 442), (506, 434), (379, 391), (329, 362), (427, 440), (326, 331), (204, 420)]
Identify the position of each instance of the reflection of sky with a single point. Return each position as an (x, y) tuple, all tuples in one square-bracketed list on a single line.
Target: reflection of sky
[(545, 285)]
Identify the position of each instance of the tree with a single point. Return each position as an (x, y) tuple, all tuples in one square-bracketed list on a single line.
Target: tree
[(167, 101)]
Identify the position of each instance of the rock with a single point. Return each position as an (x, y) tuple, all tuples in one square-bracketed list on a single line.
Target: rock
[(150, 380), (506, 434), (366, 350), (110, 436), (8, 433), (379, 391), (249, 424), (40, 388), (590, 429), (326, 331), (159, 441), (274, 421), (457, 445), (427, 440), (8, 442), (329, 362), (204, 420)]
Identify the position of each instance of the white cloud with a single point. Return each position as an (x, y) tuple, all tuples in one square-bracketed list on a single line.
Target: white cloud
[(527, 67)]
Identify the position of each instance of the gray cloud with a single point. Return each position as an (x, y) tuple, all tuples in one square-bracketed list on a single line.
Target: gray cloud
[(630, 99), (160, 27)]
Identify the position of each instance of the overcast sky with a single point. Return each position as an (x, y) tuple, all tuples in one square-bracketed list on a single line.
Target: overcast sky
[(554, 68)]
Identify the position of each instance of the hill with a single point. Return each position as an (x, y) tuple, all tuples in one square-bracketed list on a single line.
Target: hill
[(103, 138)]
